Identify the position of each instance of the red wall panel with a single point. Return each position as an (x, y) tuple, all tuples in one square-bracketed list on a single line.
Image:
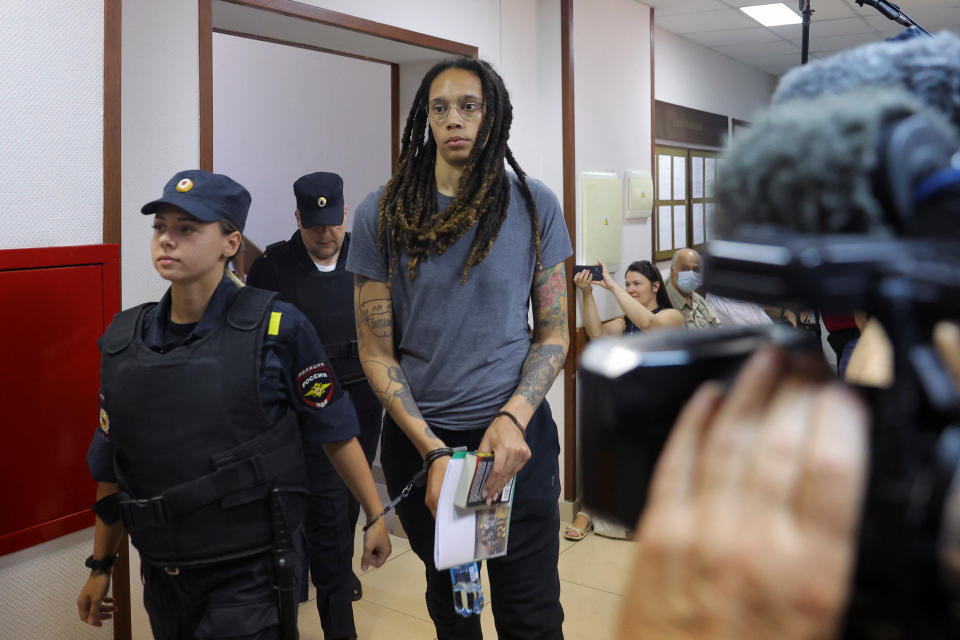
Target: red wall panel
[(54, 305)]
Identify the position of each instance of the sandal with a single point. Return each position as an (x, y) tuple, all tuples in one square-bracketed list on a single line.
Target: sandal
[(574, 533)]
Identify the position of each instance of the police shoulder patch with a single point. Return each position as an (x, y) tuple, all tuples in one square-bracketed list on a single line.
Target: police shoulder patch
[(316, 385)]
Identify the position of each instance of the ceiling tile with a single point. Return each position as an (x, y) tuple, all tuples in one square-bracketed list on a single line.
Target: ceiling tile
[(733, 36), (706, 21), (674, 7), (851, 7), (776, 59), (758, 49), (839, 43), (843, 27)]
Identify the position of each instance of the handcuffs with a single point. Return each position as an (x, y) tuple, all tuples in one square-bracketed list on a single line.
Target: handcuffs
[(419, 479)]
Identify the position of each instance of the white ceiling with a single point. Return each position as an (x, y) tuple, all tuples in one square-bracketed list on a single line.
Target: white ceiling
[(835, 25)]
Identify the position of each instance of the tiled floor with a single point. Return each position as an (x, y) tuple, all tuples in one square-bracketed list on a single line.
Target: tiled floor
[(591, 583)]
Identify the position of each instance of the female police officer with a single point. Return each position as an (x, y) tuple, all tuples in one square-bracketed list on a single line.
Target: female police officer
[(204, 400)]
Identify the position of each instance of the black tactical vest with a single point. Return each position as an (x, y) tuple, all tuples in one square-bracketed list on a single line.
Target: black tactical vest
[(196, 454), (327, 301)]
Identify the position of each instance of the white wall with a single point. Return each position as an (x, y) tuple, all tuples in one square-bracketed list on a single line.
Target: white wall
[(549, 139), (280, 112), (612, 89), (160, 124), (691, 75), (51, 123), (51, 194)]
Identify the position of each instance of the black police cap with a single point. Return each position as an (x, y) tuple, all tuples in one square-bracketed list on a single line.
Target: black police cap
[(319, 199), (206, 196)]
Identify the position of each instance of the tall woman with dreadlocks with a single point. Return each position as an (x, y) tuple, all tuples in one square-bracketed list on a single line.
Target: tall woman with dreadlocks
[(448, 258)]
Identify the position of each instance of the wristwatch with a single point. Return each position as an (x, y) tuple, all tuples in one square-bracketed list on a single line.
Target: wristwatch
[(102, 566)]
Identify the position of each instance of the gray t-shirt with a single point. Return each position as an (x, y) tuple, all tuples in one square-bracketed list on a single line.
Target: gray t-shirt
[(462, 347)]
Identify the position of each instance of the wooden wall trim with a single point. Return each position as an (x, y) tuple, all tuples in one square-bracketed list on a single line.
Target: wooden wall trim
[(360, 25), (122, 620), (653, 134), (112, 34), (300, 45), (394, 116), (206, 84), (570, 216), (112, 221)]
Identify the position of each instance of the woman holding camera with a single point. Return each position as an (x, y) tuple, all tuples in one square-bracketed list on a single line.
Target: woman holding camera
[(643, 300), (646, 307)]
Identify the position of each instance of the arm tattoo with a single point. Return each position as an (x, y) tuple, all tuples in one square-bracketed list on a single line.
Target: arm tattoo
[(374, 317), (393, 390), (550, 300), (375, 313), (545, 358), (540, 369), (377, 316)]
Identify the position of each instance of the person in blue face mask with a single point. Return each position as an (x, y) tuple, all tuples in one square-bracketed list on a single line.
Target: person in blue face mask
[(685, 278)]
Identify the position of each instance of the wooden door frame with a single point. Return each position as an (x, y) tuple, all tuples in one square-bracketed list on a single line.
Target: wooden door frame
[(318, 15)]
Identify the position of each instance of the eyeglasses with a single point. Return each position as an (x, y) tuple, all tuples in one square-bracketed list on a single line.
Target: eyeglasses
[(468, 108)]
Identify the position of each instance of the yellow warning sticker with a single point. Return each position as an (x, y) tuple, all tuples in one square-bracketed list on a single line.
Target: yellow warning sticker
[(274, 328)]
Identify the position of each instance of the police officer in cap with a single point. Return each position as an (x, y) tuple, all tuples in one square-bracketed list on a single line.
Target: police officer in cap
[(308, 270), (208, 399)]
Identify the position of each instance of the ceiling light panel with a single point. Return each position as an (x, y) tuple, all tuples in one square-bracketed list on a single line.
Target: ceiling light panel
[(772, 15)]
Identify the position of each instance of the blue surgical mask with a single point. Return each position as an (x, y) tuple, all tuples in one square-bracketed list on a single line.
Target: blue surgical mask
[(688, 281)]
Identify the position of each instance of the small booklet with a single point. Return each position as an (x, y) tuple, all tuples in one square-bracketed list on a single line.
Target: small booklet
[(464, 535), (476, 468)]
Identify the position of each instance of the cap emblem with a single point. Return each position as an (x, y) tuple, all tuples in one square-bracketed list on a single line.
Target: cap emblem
[(185, 185), (321, 202)]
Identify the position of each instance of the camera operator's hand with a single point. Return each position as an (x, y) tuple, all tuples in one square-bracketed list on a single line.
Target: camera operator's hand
[(871, 363), (946, 337), (750, 525)]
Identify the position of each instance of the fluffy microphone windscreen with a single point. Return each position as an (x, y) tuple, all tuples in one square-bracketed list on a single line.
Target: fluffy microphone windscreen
[(808, 165), (928, 68)]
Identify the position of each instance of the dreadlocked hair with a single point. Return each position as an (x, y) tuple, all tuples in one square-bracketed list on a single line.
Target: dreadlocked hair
[(408, 216)]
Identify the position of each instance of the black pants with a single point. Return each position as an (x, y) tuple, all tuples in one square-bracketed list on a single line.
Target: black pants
[(231, 600), (330, 522), (524, 584)]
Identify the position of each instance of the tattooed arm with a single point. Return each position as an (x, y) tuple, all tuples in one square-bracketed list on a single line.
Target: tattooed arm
[(541, 367), (373, 309)]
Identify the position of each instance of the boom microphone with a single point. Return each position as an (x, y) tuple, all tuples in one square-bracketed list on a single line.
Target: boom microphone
[(927, 68), (892, 12), (834, 164)]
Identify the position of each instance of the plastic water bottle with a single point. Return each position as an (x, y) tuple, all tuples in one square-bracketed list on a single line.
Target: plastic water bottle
[(467, 590)]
